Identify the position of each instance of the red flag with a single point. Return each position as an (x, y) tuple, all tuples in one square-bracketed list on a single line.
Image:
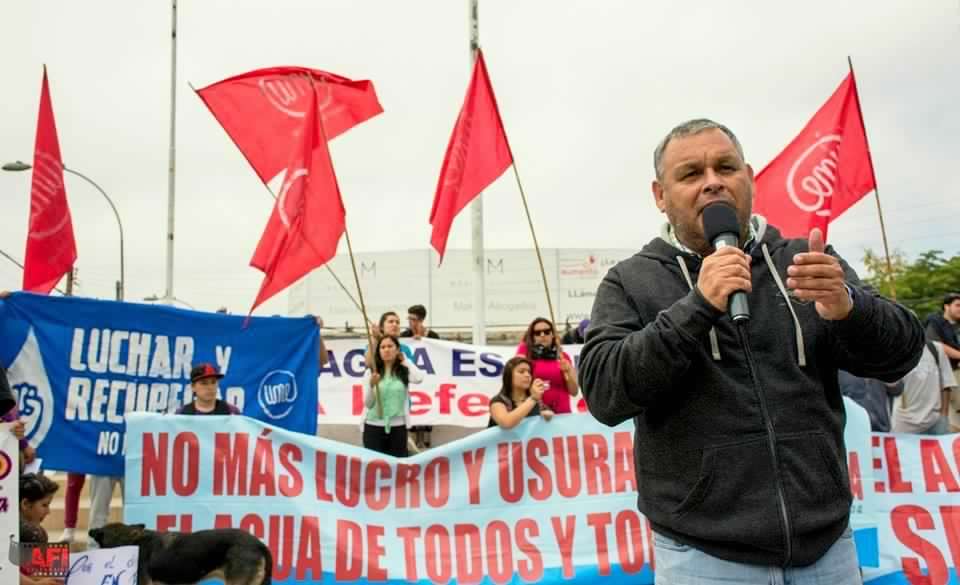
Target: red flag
[(477, 154), (263, 110), (824, 171), (308, 217), (51, 249)]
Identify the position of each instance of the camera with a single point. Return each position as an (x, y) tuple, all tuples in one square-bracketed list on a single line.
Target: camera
[(543, 352)]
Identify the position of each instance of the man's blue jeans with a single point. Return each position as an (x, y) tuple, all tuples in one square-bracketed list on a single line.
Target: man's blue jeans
[(679, 564)]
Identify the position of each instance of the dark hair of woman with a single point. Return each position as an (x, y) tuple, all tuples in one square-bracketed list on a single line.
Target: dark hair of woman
[(530, 339), (399, 370), (383, 318), (506, 388)]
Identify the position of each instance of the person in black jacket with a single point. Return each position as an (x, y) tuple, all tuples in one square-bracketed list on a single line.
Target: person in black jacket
[(945, 328), (739, 456), (7, 400)]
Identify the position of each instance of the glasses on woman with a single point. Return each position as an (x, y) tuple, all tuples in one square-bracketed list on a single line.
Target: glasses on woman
[(540, 332)]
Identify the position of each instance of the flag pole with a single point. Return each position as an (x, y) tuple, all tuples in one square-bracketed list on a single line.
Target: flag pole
[(476, 212), (353, 261), (526, 210), (343, 287), (876, 186), (171, 169), (536, 245)]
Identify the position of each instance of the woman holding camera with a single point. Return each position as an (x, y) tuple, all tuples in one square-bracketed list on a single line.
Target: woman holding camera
[(550, 364), (519, 396)]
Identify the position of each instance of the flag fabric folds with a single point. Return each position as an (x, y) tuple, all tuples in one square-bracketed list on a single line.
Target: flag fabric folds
[(822, 172), (478, 153), (263, 110), (308, 217), (51, 248)]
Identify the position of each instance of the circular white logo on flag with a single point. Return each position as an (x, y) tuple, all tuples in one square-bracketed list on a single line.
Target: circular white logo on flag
[(287, 93), (813, 176), (288, 182), (48, 208)]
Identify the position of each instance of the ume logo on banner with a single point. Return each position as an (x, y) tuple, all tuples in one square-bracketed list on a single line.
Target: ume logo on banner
[(814, 174), (277, 393)]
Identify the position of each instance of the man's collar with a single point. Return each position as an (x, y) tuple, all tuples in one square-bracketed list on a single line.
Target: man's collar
[(758, 225)]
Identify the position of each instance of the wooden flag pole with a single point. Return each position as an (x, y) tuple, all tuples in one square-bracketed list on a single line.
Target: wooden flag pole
[(526, 209), (536, 244), (876, 186), (353, 261), (343, 287)]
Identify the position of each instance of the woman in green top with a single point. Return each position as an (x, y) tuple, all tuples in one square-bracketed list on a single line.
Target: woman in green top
[(387, 399)]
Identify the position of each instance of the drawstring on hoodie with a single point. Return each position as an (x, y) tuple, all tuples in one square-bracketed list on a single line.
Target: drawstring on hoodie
[(801, 353), (714, 344), (798, 331)]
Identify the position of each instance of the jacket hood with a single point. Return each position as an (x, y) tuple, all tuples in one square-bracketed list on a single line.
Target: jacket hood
[(661, 250)]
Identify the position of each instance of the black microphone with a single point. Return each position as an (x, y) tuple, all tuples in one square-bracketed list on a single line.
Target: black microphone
[(722, 229)]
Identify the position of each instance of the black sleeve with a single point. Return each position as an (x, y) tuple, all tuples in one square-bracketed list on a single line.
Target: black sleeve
[(879, 338), (433, 334), (626, 364), (933, 333), (7, 401)]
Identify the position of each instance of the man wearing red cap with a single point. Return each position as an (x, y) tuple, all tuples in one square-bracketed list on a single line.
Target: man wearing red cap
[(203, 382)]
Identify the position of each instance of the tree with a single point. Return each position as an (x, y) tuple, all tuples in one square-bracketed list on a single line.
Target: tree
[(920, 284)]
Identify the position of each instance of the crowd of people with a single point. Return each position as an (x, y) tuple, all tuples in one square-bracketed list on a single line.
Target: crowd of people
[(539, 381), (927, 400)]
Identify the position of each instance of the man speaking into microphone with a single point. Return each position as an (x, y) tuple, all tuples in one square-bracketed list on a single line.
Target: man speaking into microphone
[(722, 340)]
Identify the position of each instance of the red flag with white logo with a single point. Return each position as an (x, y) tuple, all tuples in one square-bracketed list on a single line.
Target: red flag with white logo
[(51, 249), (822, 173), (263, 110), (308, 217), (478, 153)]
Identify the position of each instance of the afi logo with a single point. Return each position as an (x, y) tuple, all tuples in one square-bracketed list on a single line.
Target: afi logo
[(813, 177), (43, 560)]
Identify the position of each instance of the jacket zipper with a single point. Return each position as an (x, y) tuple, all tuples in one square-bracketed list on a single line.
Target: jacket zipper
[(772, 444)]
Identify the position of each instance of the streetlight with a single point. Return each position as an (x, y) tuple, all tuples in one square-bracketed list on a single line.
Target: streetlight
[(156, 299), (22, 166)]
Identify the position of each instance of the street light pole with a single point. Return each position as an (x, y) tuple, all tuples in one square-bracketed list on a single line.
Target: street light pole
[(22, 166), (171, 169)]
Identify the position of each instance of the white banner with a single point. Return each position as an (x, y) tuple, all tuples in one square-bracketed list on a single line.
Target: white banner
[(105, 566), (9, 499), (460, 379)]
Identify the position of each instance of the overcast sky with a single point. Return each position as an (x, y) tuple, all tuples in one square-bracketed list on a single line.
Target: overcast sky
[(586, 90)]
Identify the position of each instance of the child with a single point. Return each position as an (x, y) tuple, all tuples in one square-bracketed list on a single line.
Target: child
[(36, 493)]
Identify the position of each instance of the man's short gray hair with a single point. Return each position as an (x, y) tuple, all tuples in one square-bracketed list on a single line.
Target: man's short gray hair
[(689, 128)]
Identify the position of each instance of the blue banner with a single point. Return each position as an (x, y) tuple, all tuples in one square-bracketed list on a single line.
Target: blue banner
[(78, 365)]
